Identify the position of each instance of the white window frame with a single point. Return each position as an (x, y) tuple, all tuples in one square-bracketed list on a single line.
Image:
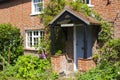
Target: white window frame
[(86, 1), (89, 4), (39, 36), (33, 7)]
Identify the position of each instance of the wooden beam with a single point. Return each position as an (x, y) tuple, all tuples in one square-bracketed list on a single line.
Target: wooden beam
[(52, 37), (85, 41)]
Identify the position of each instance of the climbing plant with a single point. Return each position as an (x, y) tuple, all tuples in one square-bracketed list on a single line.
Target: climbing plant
[(110, 49), (50, 11), (54, 7)]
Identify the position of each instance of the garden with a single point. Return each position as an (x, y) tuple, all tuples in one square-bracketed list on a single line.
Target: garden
[(16, 66)]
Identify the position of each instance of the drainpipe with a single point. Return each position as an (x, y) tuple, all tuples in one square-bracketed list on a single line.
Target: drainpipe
[(85, 41)]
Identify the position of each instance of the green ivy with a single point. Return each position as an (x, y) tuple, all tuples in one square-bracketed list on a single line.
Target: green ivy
[(55, 6), (51, 10)]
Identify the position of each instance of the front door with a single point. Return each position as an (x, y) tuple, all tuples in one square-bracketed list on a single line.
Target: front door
[(79, 43)]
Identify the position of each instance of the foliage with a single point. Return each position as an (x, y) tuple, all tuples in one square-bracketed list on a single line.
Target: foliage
[(58, 52), (52, 9), (95, 57), (106, 33), (102, 72), (111, 51), (10, 42), (106, 29), (28, 67), (81, 7), (55, 6), (109, 66), (42, 45)]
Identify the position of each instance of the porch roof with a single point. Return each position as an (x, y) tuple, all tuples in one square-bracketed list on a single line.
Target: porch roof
[(78, 15)]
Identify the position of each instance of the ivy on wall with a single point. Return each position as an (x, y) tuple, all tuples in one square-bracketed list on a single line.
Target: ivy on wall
[(54, 7)]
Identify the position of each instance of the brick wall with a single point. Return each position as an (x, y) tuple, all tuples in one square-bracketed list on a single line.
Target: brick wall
[(59, 63), (109, 12), (17, 12), (85, 64)]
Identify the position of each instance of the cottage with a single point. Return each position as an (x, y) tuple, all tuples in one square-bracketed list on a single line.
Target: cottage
[(80, 31)]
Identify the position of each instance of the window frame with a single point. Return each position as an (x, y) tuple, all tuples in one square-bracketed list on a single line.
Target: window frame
[(39, 36), (33, 8), (89, 4)]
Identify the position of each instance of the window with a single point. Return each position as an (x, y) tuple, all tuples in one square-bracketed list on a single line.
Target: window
[(37, 6), (33, 38), (86, 1)]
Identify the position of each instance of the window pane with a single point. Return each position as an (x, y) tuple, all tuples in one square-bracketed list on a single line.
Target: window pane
[(35, 1), (29, 33), (38, 0), (36, 42), (40, 8), (33, 38), (30, 44), (38, 5), (35, 33), (87, 1)]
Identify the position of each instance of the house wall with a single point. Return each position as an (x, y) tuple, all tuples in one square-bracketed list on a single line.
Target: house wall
[(109, 12), (18, 13)]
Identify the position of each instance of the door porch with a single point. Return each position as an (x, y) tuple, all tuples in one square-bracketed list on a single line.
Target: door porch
[(78, 33)]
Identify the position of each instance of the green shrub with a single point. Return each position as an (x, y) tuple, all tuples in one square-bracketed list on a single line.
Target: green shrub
[(28, 67), (102, 72), (10, 42), (109, 66)]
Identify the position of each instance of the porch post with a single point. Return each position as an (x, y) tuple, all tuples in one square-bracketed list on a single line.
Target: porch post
[(75, 48), (52, 37), (85, 41)]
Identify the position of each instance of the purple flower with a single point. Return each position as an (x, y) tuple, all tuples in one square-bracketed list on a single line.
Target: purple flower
[(43, 55)]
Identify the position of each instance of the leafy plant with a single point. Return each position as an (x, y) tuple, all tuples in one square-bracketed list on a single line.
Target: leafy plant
[(10, 42), (109, 66), (51, 10), (58, 52), (29, 67), (95, 57)]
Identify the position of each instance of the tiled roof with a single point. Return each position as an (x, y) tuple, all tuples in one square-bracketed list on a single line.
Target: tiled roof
[(87, 19)]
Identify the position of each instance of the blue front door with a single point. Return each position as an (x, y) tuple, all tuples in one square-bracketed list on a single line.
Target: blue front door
[(79, 43)]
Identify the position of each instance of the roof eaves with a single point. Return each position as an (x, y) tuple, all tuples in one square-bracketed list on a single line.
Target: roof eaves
[(57, 17), (79, 17), (87, 19)]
